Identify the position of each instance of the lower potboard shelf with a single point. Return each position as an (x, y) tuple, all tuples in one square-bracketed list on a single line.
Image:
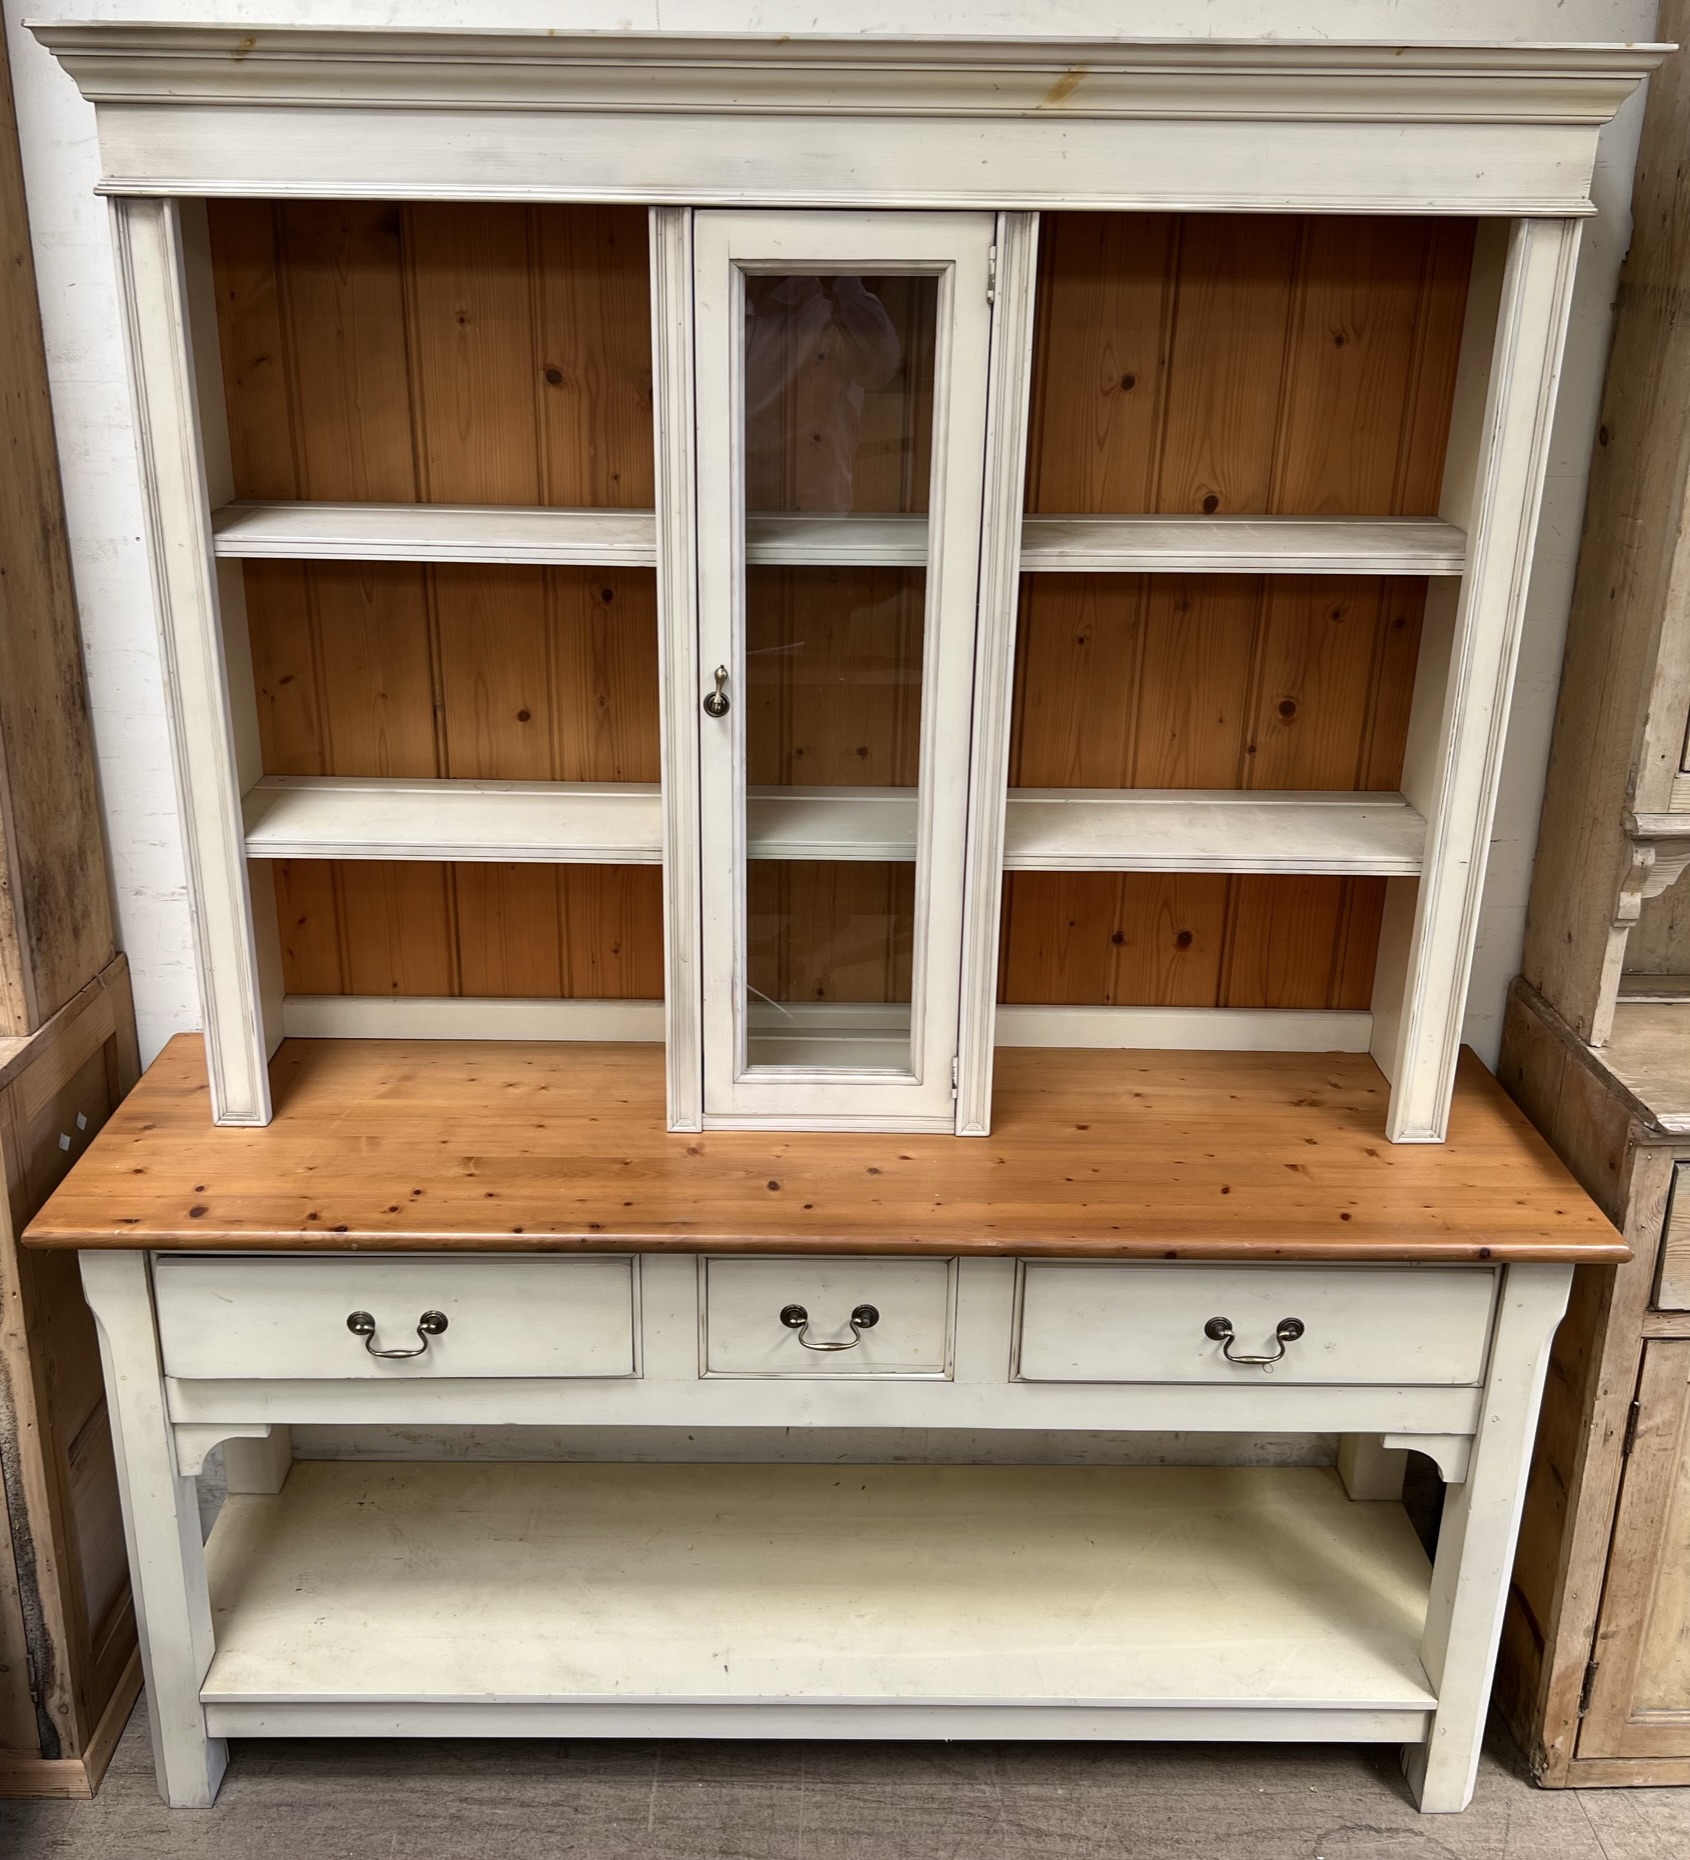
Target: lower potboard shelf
[(816, 1600)]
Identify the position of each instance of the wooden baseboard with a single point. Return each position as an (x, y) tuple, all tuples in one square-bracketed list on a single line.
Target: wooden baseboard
[(1622, 1773), (75, 1778)]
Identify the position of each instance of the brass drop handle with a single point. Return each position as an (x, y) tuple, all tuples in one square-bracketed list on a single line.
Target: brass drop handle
[(795, 1317), (716, 702), (430, 1324), (1219, 1330)]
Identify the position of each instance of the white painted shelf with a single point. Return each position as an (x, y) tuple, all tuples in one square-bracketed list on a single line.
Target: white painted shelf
[(1048, 830), (612, 538), (340, 817), (435, 533), (804, 540), (1243, 545), (1211, 830), (831, 823), (366, 1593)]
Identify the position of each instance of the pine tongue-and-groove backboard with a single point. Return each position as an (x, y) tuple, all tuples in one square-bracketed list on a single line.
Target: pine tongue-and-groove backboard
[(489, 354)]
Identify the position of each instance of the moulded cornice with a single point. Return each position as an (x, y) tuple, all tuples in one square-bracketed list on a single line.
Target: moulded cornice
[(1069, 79)]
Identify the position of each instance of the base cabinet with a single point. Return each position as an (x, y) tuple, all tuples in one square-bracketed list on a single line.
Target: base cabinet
[(820, 1600), (69, 1670), (1594, 1674)]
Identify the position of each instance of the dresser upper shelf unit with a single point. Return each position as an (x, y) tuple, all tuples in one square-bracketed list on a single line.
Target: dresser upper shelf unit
[(1048, 829), (1049, 544)]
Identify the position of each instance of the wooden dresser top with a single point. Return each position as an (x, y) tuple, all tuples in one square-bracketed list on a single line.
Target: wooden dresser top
[(506, 1147)]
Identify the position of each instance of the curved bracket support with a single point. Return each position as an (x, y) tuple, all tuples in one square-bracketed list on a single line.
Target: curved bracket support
[(195, 1439), (1450, 1453)]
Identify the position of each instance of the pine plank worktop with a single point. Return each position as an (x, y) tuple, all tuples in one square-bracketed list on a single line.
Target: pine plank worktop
[(505, 1146)]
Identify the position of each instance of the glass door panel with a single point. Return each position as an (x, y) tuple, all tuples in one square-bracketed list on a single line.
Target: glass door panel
[(841, 374)]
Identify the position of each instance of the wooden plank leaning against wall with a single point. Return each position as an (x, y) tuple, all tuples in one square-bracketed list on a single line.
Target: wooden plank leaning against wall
[(69, 1671), (499, 355)]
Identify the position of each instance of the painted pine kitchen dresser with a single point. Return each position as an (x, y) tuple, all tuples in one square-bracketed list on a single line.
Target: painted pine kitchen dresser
[(717, 593)]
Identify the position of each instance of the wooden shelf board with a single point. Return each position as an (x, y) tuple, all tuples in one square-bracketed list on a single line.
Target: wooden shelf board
[(1194, 1029), (809, 539), (1649, 1053), (1211, 830), (788, 1584), (1243, 545), (435, 533), (1093, 1154), (1049, 544), (340, 817), (1174, 830)]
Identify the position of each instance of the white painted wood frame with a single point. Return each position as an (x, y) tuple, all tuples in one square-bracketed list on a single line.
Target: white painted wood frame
[(1493, 480), (161, 1524), (1480, 1430), (914, 1091), (1008, 394), (674, 424), (1006, 125), (1481, 1523), (808, 120), (162, 269)]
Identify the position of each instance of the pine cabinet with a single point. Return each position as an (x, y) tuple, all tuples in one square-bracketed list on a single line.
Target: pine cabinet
[(969, 571)]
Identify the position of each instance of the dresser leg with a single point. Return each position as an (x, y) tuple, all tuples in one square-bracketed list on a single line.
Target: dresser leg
[(1370, 1469), (1476, 1542), (162, 1530)]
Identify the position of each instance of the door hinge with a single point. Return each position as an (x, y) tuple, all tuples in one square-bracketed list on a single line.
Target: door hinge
[(1587, 1687), (992, 275), (1630, 1440), (956, 1075)]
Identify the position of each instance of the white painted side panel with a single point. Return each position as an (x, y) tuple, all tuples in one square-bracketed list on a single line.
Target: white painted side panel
[(1145, 1323), (286, 1318), (744, 1298)]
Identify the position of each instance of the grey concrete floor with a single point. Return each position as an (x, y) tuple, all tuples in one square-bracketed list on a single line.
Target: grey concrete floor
[(728, 1801)]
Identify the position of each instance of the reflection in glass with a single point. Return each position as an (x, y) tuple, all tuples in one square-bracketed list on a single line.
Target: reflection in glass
[(838, 422), (839, 393)]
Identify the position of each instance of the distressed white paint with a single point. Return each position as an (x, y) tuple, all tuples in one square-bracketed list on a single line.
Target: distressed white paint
[(325, 1632), (91, 402), (899, 1586)]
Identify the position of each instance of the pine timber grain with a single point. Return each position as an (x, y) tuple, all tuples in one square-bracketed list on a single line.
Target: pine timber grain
[(1224, 365), (417, 927), (492, 1147), (55, 903), (436, 352), (1233, 364), (1194, 364)]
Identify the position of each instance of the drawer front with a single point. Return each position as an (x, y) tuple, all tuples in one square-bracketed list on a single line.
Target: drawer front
[(1672, 1293), (1381, 1325), (745, 1334), (287, 1318)]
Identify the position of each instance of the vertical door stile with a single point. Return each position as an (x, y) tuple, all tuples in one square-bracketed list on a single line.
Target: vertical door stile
[(1008, 397), (673, 426)]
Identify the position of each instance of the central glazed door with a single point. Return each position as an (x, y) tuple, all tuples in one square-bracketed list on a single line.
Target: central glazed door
[(841, 379)]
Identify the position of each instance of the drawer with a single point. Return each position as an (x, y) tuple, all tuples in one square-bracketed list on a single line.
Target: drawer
[(744, 1331), (286, 1318), (1394, 1326)]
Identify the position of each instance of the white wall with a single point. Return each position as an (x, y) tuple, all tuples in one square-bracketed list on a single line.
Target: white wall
[(91, 399)]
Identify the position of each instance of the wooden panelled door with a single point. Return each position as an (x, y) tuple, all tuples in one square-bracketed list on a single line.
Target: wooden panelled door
[(1640, 1689), (841, 380)]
